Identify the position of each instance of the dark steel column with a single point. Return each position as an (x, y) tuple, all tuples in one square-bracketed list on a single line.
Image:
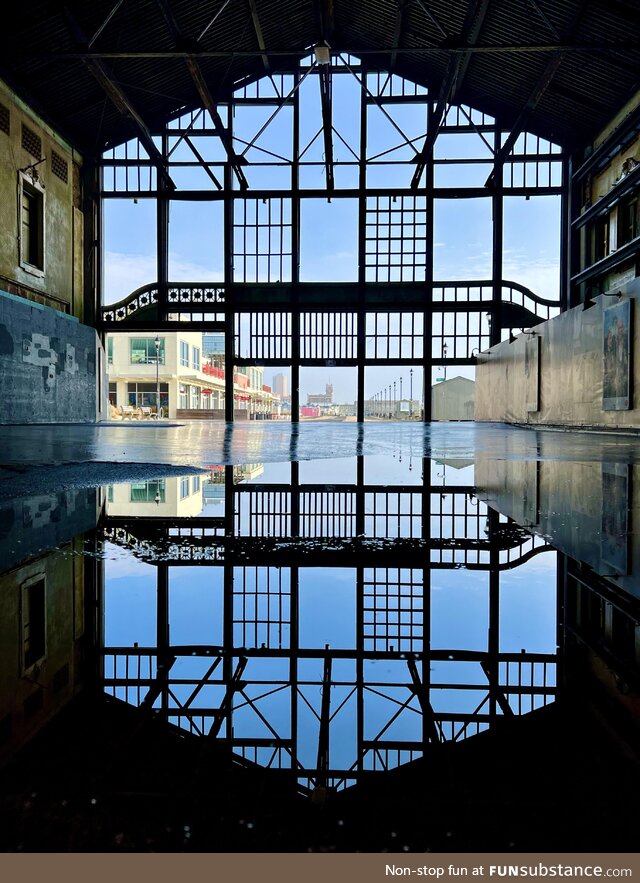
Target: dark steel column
[(427, 357), (496, 265), (162, 239), (229, 317), (162, 632), (362, 271), (295, 255)]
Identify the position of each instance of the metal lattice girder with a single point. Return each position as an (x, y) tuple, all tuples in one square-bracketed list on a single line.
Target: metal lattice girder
[(452, 80), (202, 88), (120, 100)]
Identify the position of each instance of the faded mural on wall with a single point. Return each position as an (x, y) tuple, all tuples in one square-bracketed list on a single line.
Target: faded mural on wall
[(616, 357)]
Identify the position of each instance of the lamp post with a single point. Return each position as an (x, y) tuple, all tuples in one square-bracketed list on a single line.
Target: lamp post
[(389, 412), (411, 393), (394, 400), (445, 349), (157, 343)]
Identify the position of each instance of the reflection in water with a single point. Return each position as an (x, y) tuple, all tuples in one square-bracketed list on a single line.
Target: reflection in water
[(360, 631)]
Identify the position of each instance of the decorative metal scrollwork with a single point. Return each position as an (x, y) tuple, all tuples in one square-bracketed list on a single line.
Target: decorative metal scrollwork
[(147, 296)]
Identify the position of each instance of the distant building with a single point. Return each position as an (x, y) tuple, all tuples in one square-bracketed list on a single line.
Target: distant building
[(281, 385), (190, 386), (213, 349), (321, 398), (453, 399), (213, 344)]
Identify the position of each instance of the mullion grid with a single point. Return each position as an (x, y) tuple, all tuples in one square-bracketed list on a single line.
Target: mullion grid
[(532, 163), (136, 175), (262, 240), (394, 335), (465, 333), (393, 514), (261, 607), (396, 239), (456, 516), (393, 609)]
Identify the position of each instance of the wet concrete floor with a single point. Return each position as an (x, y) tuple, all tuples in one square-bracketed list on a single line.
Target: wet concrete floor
[(200, 443)]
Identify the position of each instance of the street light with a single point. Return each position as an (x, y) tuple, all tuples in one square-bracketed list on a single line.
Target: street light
[(411, 393), (394, 399), (445, 349), (157, 343)]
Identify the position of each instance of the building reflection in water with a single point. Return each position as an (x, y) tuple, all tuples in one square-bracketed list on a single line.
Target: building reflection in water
[(343, 642)]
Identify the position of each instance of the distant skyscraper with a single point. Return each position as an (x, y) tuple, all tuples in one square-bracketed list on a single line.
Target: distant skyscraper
[(213, 344), (281, 385)]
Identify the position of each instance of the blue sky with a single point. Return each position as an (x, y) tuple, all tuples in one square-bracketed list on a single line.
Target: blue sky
[(462, 241)]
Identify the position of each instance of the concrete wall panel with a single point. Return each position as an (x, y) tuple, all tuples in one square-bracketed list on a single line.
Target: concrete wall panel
[(571, 373), (47, 365)]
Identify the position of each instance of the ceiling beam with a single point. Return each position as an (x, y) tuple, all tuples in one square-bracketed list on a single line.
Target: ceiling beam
[(105, 23), (327, 18), (118, 98), (326, 84), (454, 75), (450, 48), (206, 98), (397, 34), (541, 86), (258, 29)]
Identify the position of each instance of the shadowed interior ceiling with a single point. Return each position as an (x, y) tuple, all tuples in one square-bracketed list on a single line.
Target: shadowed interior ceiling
[(92, 67)]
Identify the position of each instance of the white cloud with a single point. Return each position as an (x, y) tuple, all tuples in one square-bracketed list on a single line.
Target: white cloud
[(125, 272)]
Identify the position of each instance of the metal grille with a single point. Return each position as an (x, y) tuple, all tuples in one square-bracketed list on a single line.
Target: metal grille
[(328, 335), (59, 166), (327, 514), (396, 239), (264, 513), (393, 609), (262, 240), (263, 335), (31, 142)]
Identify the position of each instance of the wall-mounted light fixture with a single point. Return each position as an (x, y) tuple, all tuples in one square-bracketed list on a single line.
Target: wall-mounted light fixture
[(322, 54), (32, 169)]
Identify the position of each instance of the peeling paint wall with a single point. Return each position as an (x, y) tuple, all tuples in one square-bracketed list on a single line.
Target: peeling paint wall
[(48, 366)]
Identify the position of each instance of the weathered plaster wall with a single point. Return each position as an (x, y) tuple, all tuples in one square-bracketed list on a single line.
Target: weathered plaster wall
[(61, 283), (28, 699)]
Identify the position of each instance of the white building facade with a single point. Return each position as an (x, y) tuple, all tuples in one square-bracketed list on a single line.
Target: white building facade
[(188, 384)]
